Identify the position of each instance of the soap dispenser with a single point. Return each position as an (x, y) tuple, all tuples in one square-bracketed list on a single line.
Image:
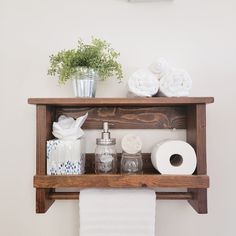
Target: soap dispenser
[(105, 153)]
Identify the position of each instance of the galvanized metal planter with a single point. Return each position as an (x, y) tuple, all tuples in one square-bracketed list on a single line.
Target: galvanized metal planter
[(84, 83)]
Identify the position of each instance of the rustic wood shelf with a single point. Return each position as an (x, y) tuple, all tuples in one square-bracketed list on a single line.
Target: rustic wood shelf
[(121, 181), (154, 101), (125, 113)]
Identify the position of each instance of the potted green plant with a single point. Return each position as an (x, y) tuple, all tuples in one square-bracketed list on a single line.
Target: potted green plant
[(84, 65)]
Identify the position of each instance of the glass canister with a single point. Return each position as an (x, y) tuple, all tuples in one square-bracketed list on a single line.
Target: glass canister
[(105, 153), (131, 161)]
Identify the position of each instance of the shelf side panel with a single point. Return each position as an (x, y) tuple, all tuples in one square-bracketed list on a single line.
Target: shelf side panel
[(45, 115), (196, 136), (129, 117)]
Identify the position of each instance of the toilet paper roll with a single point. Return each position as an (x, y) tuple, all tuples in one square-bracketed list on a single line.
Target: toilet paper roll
[(174, 157)]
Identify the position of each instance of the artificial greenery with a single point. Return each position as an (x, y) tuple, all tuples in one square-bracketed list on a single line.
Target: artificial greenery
[(98, 56)]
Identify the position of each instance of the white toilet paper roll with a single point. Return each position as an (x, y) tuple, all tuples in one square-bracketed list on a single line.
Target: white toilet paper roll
[(174, 157)]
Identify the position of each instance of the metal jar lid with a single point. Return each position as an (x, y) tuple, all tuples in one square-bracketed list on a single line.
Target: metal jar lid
[(100, 141)]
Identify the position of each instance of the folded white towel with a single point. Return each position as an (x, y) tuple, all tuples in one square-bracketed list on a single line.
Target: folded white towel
[(143, 83), (67, 128), (117, 212), (177, 83)]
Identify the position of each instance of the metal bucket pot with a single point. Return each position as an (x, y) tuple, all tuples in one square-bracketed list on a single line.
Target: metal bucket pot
[(84, 83)]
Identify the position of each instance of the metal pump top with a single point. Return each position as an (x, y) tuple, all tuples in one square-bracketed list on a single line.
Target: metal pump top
[(106, 136)]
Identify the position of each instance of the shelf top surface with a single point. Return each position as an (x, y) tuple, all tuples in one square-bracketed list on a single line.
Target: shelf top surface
[(158, 101)]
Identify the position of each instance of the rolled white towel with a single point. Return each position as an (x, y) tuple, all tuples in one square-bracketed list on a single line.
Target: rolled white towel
[(175, 84), (160, 68), (143, 83)]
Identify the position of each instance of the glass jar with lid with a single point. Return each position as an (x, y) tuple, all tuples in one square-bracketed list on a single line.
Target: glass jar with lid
[(105, 153), (131, 161)]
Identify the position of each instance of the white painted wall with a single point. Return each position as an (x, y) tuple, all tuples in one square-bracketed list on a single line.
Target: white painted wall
[(197, 35)]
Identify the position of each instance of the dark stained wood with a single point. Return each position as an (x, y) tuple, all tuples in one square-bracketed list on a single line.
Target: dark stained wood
[(174, 195), (196, 136), (151, 113), (199, 201), (44, 121), (155, 101), (129, 117), (65, 195), (159, 195), (121, 181)]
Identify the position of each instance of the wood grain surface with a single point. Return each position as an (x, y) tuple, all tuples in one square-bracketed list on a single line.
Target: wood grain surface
[(44, 118), (121, 181), (196, 136), (129, 117)]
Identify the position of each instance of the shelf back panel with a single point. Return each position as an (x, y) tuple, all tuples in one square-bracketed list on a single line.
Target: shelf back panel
[(128, 117)]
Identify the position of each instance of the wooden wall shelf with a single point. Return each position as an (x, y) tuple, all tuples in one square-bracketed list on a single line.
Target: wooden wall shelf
[(125, 113), (121, 181), (157, 101)]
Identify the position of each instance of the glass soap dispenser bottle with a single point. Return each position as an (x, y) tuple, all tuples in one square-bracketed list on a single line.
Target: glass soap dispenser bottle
[(105, 153)]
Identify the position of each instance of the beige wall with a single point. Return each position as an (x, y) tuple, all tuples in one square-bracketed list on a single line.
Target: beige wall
[(197, 35)]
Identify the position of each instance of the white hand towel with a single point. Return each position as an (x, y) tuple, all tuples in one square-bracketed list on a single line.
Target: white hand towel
[(175, 84), (117, 212), (143, 83)]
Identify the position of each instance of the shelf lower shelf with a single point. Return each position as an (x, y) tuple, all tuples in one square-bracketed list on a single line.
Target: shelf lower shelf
[(121, 181)]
